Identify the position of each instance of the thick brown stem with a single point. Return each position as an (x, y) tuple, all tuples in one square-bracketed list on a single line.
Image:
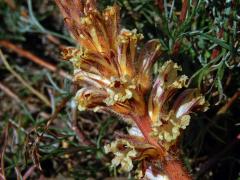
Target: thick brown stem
[(144, 124), (175, 171), (184, 10), (160, 4), (173, 168)]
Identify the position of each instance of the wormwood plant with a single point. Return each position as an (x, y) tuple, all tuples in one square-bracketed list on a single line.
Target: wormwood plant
[(113, 75)]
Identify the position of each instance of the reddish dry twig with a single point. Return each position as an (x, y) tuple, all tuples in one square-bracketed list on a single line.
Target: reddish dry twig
[(56, 41), (9, 92), (61, 105), (11, 4), (184, 10), (160, 5), (34, 146), (76, 129), (182, 18), (29, 172), (226, 106), (1, 176), (2, 152), (217, 49), (176, 48), (34, 58)]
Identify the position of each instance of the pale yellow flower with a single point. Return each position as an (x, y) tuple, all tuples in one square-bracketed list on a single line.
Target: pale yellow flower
[(124, 152)]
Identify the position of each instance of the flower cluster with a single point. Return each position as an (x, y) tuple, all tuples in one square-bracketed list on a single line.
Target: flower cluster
[(114, 75)]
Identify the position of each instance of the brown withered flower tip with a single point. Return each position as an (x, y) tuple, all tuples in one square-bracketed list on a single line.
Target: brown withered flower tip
[(114, 75)]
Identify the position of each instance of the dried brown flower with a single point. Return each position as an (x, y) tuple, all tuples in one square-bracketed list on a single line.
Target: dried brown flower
[(114, 75)]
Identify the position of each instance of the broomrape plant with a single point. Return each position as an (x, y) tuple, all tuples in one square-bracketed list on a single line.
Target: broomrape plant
[(114, 75)]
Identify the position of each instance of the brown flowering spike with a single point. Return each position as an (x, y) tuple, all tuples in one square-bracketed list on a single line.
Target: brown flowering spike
[(114, 75)]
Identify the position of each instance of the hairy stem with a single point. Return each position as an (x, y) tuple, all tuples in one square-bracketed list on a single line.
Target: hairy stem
[(144, 124), (175, 171)]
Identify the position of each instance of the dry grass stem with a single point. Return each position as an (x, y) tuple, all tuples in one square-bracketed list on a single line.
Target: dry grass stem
[(9, 92), (24, 82), (226, 106), (26, 54)]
